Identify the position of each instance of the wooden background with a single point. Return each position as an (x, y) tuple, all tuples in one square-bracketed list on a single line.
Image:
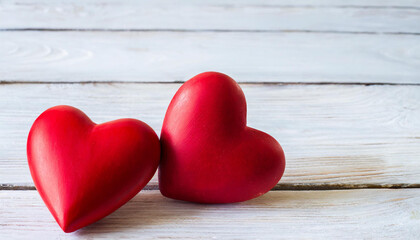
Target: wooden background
[(336, 82)]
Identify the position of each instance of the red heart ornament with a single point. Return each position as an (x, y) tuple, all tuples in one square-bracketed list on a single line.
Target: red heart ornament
[(85, 171), (209, 155)]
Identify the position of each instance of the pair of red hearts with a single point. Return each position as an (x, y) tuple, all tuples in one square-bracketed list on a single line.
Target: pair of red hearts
[(207, 154)]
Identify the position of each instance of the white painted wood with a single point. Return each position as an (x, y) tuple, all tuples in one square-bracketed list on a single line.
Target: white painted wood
[(352, 214), (330, 133), (361, 16), (170, 56)]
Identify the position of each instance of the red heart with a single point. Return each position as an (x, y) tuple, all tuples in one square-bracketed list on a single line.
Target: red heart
[(209, 155), (85, 171)]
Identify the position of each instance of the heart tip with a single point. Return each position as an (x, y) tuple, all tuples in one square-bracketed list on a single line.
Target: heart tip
[(68, 228)]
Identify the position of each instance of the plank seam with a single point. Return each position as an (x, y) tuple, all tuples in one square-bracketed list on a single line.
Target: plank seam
[(12, 82), (203, 30), (278, 187)]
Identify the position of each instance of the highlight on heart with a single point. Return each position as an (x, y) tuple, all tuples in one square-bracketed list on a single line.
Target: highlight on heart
[(84, 171)]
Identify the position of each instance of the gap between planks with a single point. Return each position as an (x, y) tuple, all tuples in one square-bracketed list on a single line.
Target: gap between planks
[(10, 82), (278, 187), (203, 30)]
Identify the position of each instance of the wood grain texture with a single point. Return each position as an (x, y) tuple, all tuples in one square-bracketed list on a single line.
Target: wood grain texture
[(351, 214), (331, 134), (174, 56), (341, 16), (334, 136)]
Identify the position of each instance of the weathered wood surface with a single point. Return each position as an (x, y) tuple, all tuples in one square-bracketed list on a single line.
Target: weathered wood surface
[(346, 134), (349, 214), (334, 134), (337, 16), (175, 56)]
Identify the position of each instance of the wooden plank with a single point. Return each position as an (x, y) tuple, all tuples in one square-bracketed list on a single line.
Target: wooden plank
[(174, 56), (351, 214), (213, 15), (334, 134)]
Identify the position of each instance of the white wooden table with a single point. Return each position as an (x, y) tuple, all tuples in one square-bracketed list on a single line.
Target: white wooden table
[(336, 82)]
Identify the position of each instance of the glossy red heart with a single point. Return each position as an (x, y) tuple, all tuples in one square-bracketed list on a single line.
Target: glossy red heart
[(85, 171), (209, 155)]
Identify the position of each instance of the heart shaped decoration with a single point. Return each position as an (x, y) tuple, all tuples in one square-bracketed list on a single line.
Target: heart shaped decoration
[(84, 171), (209, 155)]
